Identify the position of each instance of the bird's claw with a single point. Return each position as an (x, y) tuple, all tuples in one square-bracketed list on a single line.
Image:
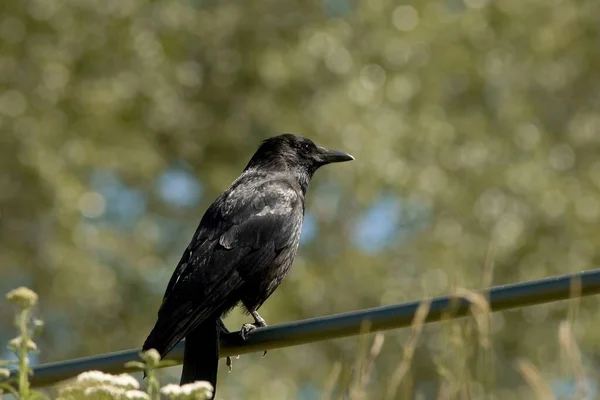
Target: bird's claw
[(246, 329), (259, 322)]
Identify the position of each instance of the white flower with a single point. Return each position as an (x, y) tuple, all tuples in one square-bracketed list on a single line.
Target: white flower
[(104, 391), (17, 343), (171, 390), (70, 389), (100, 386), (136, 395), (125, 381), (4, 373), (70, 392), (199, 388), (196, 390), (92, 377), (22, 296)]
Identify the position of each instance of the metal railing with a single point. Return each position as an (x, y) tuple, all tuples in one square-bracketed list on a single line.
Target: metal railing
[(347, 324)]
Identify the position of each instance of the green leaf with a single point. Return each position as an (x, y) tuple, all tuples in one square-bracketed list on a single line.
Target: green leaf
[(10, 389), (135, 365), (6, 362)]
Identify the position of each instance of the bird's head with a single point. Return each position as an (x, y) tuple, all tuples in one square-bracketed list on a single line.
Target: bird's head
[(295, 153)]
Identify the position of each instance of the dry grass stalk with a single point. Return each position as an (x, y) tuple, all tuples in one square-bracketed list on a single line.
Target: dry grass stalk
[(488, 267), (331, 381), (571, 352), (445, 392), (487, 370), (534, 379), (409, 350), (372, 356), (356, 389), (480, 309)]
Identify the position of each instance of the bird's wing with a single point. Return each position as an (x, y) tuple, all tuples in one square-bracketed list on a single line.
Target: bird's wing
[(242, 231)]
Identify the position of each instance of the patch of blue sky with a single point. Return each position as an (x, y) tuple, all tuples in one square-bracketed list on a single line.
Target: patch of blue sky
[(6, 355), (61, 334), (129, 206), (105, 182), (124, 205), (308, 392), (178, 187), (337, 8), (310, 229), (388, 221), (569, 389), (15, 279)]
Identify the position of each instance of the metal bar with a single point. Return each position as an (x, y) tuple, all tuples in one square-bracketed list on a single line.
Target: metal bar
[(347, 324)]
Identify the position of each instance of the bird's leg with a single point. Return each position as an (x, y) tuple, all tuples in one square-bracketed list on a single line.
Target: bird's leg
[(259, 322)]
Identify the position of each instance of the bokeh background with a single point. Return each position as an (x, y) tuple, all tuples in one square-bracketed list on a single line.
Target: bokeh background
[(474, 123)]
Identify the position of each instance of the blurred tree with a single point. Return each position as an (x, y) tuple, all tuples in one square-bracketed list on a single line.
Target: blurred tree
[(474, 125)]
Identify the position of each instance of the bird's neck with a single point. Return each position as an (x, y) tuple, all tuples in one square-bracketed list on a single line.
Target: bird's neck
[(303, 180), (299, 175)]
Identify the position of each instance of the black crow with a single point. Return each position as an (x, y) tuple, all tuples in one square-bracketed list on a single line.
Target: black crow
[(241, 251)]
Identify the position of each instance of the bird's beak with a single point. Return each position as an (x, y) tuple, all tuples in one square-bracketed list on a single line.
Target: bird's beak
[(327, 156)]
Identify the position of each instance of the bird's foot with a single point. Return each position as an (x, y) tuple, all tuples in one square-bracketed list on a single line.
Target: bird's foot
[(246, 329), (259, 322)]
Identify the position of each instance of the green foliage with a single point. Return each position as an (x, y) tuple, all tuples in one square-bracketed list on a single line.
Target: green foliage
[(88, 385), (151, 362), (482, 113), (23, 345)]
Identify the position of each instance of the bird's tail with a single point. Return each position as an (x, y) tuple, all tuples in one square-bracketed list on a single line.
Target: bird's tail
[(201, 354)]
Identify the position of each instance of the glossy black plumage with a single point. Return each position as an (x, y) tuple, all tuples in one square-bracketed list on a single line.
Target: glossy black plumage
[(241, 251)]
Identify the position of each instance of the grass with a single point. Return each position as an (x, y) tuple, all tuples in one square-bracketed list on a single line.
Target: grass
[(456, 380), (457, 377), (88, 385)]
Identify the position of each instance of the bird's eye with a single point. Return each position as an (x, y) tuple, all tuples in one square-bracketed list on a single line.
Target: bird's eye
[(306, 147)]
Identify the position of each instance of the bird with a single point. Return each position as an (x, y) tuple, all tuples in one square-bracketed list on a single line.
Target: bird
[(241, 251)]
